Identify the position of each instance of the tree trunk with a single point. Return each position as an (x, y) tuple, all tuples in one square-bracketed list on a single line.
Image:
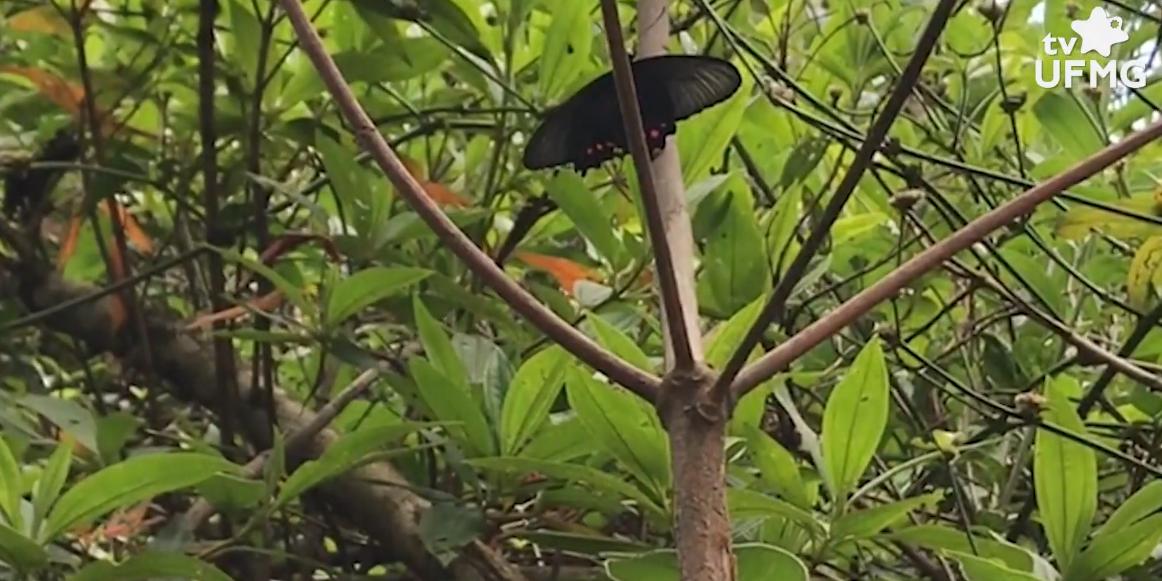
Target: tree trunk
[(697, 428)]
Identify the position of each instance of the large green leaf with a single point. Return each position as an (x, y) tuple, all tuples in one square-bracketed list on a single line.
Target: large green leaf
[(755, 562), (351, 449), (854, 420), (567, 45), (1143, 503), (734, 265), (367, 287), (746, 504), (19, 551), (1064, 475), (624, 426), (50, 483), (531, 394), (869, 522), (977, 568), (451, 402), (437, 345), (1112, 553), (152, 565), (588, 213), (778, 467), (931, 536), (11, 486), (132, 481)]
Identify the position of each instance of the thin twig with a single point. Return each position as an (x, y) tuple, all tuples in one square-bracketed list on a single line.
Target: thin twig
[(863, 158), (975, 231)]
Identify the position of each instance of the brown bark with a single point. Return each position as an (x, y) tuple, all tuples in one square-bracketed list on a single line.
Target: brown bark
[(374, 497), (696, 424)]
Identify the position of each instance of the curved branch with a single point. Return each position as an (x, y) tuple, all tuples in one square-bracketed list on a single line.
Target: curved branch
[(637, 381)]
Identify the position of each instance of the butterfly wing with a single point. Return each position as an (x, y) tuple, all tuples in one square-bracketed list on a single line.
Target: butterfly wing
[(586, 130)]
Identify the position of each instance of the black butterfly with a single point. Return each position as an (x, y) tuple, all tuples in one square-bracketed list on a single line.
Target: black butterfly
[(586, 130)]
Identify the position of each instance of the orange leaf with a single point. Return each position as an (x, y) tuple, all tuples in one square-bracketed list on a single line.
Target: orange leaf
[(69, 244), (565, 271), (42, 19), (133, 231), (266, 302), (437, 191), (443, 196), (64, 94)]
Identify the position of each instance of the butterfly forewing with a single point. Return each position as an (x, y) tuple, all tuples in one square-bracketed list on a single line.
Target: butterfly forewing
[(586, 130)]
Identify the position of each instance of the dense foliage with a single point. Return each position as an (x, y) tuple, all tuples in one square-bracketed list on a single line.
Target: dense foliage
[(996, 420)]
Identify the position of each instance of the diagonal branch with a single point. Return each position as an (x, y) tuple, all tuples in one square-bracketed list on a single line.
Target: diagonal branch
[(678, 333), (863, 158), (975, 231), (637, 381)]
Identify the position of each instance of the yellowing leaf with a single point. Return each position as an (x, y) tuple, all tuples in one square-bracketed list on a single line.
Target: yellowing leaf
[(65, 94), (42, 19), (1145, 274), (1080, 221)]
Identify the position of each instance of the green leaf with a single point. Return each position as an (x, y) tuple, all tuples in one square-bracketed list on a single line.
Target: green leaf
[(593, 478), (19, 551), (756, 562), (530, 396), (704, 137), (854, 420), (777, 467), (446, 526), (869, 522), (581, 205), (1064, 475), (659, 565), (760, 562), (152, 565), (621, 345), (725, 339), (1063, 118), (244, 37), (351, 449), (51, 481), (450, 20), (451, 402), (113, 431), (437, 346), (749, 504), (942, 537), (583, 543), (134, 480), (623, 425), (368, 287), (11, 486), (735, 268), (1110, 554), (1143, 503), (568, 42), (984, 569)]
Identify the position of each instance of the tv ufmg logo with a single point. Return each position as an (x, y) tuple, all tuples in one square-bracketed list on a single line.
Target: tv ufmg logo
[(1097, 34)]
